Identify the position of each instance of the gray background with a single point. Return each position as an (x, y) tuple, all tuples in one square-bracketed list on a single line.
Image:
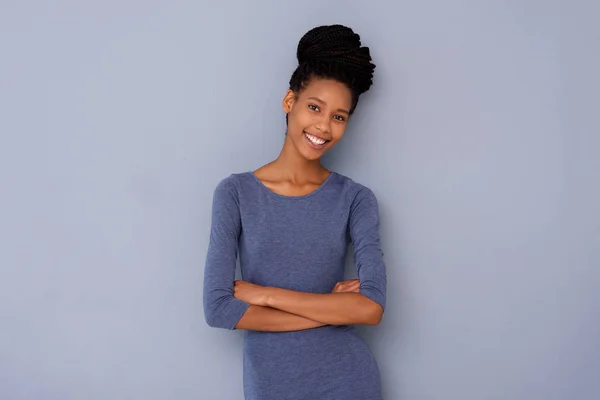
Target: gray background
[(480, 139)]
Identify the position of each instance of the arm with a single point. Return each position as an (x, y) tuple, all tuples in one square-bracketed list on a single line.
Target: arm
[(365, 307), (332, 308), (368, 254), (268, 319), (221, 308), (263, 318)]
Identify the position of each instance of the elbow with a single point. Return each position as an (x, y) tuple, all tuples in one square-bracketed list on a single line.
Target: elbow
[(216, 320), (211, 318), (374, 304), (213, 314), (224, 312), (375, 316), (373, 313)]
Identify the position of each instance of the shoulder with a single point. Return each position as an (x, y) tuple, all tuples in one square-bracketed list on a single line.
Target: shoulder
[(354, 190), (232, 185)]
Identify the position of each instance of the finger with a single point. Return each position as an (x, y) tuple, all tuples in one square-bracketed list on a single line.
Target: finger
[(342, 289), (353, 286), (346, 286)]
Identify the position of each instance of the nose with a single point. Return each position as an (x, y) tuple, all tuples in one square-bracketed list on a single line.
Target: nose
[(324, 125)]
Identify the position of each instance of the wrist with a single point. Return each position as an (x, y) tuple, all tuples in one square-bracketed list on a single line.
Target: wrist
[(268, 296)]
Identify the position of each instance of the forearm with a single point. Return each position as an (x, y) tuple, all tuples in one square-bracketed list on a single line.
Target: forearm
[(330, 309), (267, 319)]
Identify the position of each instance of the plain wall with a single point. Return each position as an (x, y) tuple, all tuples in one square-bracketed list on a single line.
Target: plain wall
[(480, 139)]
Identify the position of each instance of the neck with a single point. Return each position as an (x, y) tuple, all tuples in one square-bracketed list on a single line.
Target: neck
[(296, 167)]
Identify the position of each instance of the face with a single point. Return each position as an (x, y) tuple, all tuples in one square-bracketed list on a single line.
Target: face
[(317, 116)]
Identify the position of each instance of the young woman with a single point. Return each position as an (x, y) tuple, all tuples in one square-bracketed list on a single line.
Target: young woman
[(291, 222)]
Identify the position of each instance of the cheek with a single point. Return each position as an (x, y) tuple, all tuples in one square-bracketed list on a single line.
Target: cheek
[(337, 132), (304, 114), (302, 120)]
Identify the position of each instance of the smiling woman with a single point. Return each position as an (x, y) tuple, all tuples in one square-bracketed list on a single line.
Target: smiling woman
[(291, 222), (317, 115)]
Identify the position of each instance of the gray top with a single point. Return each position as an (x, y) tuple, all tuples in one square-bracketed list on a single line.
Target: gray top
[(298, 243)]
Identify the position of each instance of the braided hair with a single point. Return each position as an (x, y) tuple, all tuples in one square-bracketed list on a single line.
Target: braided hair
[(334, 52)]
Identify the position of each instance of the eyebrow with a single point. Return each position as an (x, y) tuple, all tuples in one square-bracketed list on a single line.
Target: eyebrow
[(322, 102)]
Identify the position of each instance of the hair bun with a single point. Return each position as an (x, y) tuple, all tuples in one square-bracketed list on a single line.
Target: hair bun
[(324, 42), (340, 45)]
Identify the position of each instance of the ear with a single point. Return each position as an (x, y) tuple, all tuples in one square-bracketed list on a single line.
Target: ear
[(288, 101)]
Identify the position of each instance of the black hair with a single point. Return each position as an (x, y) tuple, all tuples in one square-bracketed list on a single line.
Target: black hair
[(334, 52)]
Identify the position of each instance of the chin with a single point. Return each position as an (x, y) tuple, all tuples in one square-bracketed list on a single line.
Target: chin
[(312, 155), (309, 153)]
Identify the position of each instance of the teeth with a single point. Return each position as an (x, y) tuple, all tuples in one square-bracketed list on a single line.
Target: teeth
[(315, 139)]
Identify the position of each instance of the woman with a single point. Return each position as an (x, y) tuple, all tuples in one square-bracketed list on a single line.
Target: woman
[(291, 221)]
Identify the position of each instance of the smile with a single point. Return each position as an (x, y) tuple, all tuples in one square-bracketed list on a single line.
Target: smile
[(315, 140)]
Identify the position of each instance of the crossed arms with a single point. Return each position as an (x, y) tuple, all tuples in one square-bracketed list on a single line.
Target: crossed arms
[(234, 304)]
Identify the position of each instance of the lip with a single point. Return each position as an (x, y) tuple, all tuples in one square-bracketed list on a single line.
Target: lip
[(315, 146)]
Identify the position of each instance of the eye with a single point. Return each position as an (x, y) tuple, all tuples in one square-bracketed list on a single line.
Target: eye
[(340, 118), (313, 107)]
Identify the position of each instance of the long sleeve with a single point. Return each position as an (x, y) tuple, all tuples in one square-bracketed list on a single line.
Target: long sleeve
[(368, 255), (221, 309)]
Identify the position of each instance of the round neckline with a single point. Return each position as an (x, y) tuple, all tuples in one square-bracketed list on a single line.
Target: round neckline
[(314, 192)]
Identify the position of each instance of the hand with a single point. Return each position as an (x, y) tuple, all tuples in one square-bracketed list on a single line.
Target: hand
[(352, 285), (250, 293)]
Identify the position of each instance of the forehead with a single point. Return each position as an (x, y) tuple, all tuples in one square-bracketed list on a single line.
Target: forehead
[(332, 92)]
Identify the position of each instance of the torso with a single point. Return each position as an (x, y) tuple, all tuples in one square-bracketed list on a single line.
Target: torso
[(298, 240)]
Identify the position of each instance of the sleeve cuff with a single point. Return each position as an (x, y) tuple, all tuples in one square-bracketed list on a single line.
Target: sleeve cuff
[(237, 309), (374, 294)]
